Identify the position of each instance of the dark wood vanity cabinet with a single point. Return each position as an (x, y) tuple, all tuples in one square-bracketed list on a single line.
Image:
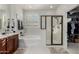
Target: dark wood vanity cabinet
[(9, 45)]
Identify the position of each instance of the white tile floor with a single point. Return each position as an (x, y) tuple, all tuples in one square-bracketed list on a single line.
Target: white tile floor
[(32, 44), (73, 48)]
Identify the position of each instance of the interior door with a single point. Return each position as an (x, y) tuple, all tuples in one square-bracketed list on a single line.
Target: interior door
[(56, 30)]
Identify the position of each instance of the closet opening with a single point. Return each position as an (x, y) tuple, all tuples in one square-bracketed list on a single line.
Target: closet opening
[(73, 28)]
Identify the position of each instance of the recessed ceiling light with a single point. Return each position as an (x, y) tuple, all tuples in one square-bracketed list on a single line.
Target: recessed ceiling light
[(51, 6)]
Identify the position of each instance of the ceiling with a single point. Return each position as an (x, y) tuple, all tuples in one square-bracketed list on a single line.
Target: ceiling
[(37, 6)]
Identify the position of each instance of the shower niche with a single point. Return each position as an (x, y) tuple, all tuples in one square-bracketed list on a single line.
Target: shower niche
[(54, 29)]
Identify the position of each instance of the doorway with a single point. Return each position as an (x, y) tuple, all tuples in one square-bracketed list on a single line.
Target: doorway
[(73, 30), (53, 24), (73, 25)]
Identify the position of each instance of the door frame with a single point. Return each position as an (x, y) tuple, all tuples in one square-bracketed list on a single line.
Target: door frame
[(51, 26)]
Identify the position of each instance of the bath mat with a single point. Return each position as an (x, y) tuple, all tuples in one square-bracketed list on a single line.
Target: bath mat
[(58, 50)]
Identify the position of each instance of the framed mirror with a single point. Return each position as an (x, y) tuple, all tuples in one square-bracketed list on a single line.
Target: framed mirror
[(3, 20)]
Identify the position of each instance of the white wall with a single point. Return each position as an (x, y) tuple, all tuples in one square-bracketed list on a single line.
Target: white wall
[(33, 25), (62, 10), (32, 20)]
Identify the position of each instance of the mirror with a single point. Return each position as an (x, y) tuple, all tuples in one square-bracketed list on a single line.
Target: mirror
[(3, 21)]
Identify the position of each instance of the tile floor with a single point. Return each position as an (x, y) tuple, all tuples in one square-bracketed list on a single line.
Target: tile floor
[(31, 44), (73, 48)]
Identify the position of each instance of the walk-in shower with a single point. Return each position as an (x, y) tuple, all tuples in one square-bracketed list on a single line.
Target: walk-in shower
[(53, 24)]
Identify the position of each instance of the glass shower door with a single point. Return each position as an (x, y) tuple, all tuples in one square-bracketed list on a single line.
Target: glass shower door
[(56, 30)]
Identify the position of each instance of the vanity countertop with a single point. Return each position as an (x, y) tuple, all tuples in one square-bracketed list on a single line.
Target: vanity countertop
[(7, 35)]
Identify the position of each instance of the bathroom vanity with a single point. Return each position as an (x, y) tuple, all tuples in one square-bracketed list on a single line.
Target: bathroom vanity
[(8, 43)]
